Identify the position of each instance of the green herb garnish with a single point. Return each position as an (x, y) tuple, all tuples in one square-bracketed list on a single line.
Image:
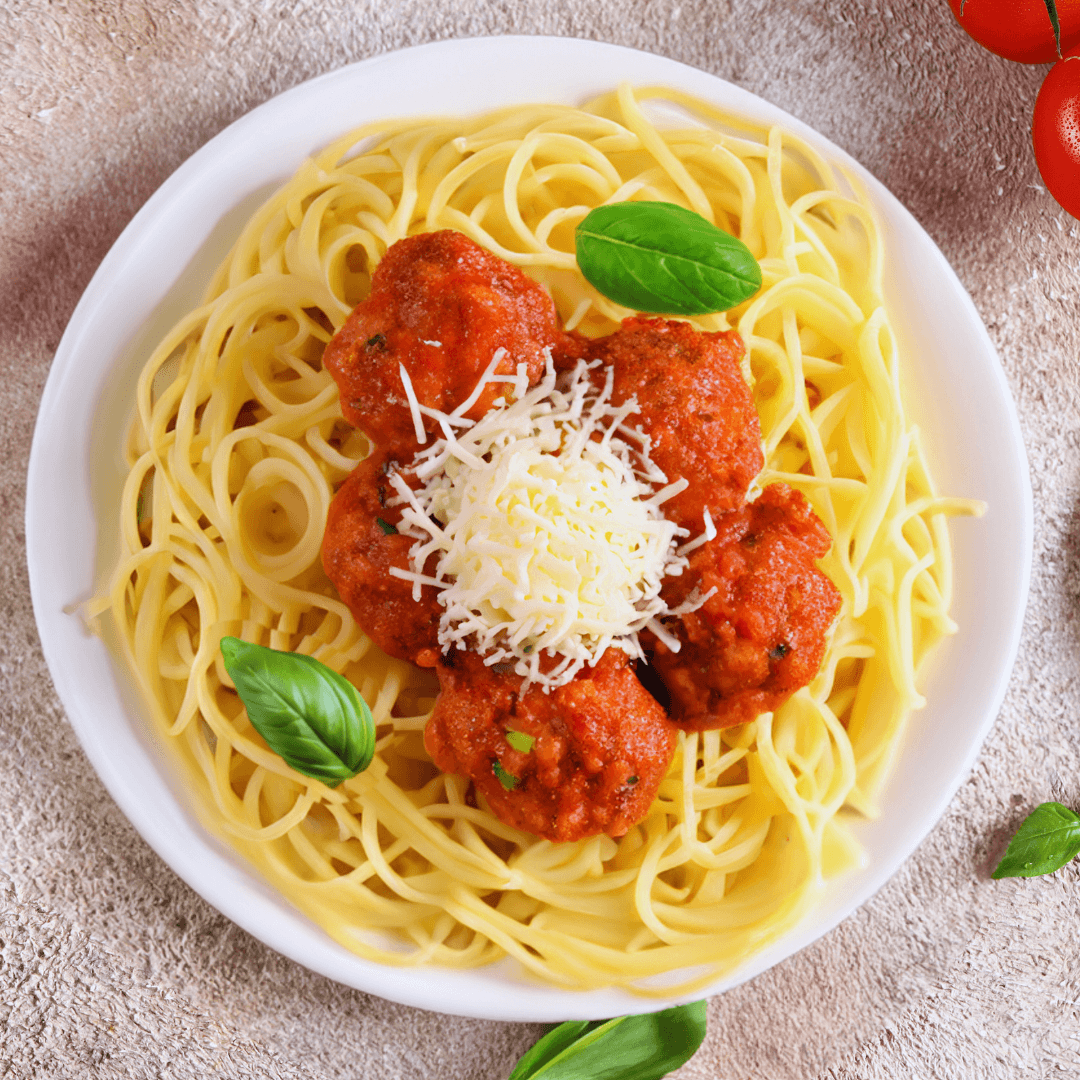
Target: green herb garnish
[(309, 714), (660, 258), (386, 527), (519, 740), (1048, 838), (506, 779), (644, 1047)]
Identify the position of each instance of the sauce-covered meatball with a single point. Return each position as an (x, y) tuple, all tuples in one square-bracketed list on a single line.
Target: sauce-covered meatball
[(762, 634), (441, 306), (600, 745), (357, 554), (694, 405)]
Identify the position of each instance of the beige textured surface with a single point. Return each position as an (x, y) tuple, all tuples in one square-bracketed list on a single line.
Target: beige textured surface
[(111, 967)]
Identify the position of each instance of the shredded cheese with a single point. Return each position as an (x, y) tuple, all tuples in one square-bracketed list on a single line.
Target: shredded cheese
[(545, 518)]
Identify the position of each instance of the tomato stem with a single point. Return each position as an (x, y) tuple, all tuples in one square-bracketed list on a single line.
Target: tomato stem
[(1051, 10)]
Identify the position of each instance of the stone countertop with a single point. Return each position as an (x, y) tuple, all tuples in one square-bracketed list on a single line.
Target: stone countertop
[(112, 967)]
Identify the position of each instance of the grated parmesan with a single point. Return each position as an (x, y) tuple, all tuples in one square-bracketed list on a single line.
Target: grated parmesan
[(545, 519)]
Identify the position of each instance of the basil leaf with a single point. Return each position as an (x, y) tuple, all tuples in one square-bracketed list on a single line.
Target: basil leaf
[(1048, 838), (660, 258), (387, 528), (645, 1047), (549, 1046), (309, 714)]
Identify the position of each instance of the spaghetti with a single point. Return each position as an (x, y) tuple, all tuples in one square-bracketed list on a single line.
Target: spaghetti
[(239, 444)]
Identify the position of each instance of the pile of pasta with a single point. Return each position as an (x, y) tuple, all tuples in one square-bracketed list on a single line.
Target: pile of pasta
[(238, 446)]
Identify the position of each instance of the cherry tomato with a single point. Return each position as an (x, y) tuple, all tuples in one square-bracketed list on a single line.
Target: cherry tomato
[(1055, 130), (1019, 29)]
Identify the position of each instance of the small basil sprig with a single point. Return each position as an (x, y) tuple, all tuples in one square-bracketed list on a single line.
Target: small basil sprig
[(645, 1047), (309, 714), (1048, 838), (662, 259)]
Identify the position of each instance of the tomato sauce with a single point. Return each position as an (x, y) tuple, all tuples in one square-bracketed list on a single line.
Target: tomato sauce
[(441, 306), (358, 553), (763, 633), (601, 745), (695, 407)]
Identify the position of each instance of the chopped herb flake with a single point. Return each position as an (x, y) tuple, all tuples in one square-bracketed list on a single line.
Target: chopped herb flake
[(509, 782), (386, 527), (631, 779), (520, 741)]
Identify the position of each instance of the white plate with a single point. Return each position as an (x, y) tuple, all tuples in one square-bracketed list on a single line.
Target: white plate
[(156, 271)]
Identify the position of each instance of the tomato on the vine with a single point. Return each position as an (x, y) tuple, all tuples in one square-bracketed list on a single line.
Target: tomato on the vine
[(1055, 130), (1020, 29)]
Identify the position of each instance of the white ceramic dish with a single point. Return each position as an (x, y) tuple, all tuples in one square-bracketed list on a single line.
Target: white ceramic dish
[(157, 270)]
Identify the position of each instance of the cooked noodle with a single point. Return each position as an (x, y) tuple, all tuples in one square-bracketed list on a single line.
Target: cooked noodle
[(239, 444)]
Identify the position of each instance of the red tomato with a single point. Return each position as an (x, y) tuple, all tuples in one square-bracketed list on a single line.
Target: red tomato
[(1055, 130), (1019, 29)]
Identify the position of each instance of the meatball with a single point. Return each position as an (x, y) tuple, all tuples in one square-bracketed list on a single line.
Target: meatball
[(357, 554), (694, 405), (762, 634), (441, 306), (600, 745)]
